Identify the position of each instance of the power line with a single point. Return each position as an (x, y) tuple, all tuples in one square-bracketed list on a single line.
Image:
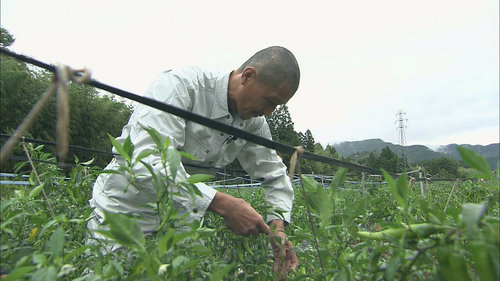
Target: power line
[(201, 119), (72, 147), (85, 149)]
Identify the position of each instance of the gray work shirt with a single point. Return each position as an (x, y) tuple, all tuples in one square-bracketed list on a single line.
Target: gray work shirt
[(205, 93)]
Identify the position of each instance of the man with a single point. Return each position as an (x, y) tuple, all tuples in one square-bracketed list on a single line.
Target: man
[(240, 98)]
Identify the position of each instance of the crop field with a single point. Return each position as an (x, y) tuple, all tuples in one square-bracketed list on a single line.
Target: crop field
[(393, 233)]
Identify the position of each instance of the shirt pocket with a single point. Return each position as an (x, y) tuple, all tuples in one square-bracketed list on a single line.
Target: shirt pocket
[(198, 141)]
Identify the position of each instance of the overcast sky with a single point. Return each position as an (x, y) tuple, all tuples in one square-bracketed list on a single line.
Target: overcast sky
[(361, 61)]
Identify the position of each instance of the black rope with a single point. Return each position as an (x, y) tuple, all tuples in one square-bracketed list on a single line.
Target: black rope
[(201, 119), (71, 147), (25, 159), (85, 149)]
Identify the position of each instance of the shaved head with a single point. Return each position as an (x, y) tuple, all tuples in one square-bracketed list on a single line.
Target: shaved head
[(276, 66)]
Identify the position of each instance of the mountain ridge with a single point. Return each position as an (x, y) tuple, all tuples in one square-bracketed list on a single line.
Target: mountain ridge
[(416, 153)]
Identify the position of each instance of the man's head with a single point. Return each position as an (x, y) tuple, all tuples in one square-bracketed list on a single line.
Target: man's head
[(269, 78), (277, 67)]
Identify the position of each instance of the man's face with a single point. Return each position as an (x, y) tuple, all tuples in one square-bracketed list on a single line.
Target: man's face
[(256, 99)]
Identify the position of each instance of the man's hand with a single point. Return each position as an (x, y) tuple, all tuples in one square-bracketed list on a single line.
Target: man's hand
[(284, 255), (239, 216)]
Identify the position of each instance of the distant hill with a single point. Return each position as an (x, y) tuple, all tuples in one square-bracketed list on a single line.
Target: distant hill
[(415, 153)]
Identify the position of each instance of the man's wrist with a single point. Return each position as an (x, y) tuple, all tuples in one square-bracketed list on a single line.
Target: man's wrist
[(219, 203), (277, 224)]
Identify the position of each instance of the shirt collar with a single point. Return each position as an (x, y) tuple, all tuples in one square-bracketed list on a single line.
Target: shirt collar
[(220, 108)]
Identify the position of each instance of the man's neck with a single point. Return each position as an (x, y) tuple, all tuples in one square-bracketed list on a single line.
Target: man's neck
[(233, 83)]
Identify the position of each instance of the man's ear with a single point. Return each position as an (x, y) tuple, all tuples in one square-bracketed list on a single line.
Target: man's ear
[(248, 75)]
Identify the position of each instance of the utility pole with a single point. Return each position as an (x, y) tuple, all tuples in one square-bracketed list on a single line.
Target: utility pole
[(401, 127)]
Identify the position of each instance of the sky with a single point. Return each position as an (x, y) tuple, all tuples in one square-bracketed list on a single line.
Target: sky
[(361, 62)]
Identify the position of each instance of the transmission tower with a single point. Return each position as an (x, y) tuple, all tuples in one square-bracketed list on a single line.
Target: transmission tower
[(401, 127)]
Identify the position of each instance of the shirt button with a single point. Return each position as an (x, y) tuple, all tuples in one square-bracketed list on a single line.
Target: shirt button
[(241, 124), (207, 151), (195, 210), (221, 134)]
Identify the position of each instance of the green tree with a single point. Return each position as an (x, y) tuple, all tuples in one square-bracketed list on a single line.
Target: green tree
[(372, 161), (6, 39), (282, 127), (307, 141), (282, 130), (388, 160), (331, 152), (443, 167)]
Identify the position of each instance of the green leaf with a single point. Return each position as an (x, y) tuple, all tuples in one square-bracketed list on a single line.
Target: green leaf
[(4, 204), (484, 261), (196, 178), (153, 176), (120, 148), (375, 258), (45, 274), (165, 243), (32, 178), (476, 161), (128, 147), (174, 161), (221, 273), (109, 172), (398, 189), (319, 200), (124, 231), (66, 270), (471, 215), (392, 266), (88, 162), (452, 265), (155, 135), (19, 273), (143, 155), (339, 178), (179, 260), (353, 210), (187, 155), (36, 191), (56, 242), (75, 252)]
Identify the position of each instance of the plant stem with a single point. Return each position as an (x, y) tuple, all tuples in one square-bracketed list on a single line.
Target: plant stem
[(449, 197), (38, 179), (310, 220)]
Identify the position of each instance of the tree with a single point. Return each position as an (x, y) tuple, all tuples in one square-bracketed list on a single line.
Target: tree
[(443, 167), (307, 141), (282, 130), (331, 152), (372, 161), (388, 160), (6, 39), (282, 127)]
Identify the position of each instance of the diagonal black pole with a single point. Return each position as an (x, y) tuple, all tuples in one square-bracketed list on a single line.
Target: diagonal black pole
[(201, 119)]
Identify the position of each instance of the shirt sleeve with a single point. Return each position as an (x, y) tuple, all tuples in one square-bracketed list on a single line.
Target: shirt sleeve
[(174, 91), (262, 162)]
